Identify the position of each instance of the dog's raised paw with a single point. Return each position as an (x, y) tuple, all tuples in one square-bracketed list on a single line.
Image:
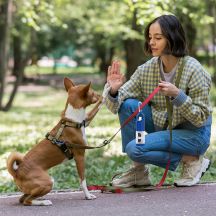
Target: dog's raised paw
[(91, 197), (41, 203)]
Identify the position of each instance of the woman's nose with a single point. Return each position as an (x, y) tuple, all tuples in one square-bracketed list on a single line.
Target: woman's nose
[(152, 42)]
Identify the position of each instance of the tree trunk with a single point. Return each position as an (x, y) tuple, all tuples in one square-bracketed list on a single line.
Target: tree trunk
[(18, 70), (134, 49), (134, 56), (211, 10), (190, 31), (14, 91), (106, 58), (17, 53), (5, 21)]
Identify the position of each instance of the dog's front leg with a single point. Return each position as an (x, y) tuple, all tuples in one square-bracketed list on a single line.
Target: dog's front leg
[(91, 114), (80, 164)]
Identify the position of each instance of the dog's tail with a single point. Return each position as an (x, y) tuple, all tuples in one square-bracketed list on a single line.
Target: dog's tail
[(13, 162)]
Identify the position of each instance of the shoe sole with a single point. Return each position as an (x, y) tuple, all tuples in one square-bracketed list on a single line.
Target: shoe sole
[(209, 164), (127, 185), (130, 185), (198, 177)]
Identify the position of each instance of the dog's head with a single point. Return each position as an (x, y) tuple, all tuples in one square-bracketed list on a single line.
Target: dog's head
[(80, 96)]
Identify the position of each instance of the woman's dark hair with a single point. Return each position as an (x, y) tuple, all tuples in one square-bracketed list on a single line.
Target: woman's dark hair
[(174, 33)]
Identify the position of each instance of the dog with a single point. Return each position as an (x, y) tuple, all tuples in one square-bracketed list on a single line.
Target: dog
[(30, 171)]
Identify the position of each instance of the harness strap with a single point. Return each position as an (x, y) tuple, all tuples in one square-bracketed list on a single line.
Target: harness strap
[(68, 123), (60, 130), (61, 144)]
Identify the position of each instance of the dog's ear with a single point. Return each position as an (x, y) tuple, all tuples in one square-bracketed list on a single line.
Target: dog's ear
[(86, 88), (68, 83)]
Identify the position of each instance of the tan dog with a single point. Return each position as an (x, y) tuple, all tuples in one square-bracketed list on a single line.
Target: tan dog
[(30, 171)]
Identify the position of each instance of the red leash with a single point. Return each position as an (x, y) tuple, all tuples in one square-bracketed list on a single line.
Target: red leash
[(156, 90), (104, 189), (119, 190), (144, 103)]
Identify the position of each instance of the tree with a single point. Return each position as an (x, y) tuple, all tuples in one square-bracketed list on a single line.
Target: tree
[(21, 37), (211, 10), (5, 24)]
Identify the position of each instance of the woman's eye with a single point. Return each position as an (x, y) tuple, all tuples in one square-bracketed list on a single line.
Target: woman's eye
[(158, 38)]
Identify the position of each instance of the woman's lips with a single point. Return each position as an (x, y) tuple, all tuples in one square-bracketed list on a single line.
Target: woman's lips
[(154, 50)]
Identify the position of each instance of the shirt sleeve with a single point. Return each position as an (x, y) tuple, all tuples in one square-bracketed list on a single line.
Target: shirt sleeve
[(195, 106)]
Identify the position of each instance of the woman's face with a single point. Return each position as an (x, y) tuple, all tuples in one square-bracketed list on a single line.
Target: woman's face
[(157, 41)]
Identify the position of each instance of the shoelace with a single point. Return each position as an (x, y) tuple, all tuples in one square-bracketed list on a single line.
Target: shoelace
[(186, 171)]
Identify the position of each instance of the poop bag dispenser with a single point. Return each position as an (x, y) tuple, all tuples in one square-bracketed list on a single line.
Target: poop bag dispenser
[(140, 129)]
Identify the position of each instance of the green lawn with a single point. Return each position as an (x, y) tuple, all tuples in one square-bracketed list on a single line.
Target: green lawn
[(35, 112)]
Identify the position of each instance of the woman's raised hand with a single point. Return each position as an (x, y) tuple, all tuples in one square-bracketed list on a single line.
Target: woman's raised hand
[(114, 77)]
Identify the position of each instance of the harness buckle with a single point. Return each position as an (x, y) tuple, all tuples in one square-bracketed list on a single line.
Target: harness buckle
[(83, 123), (58, 142)]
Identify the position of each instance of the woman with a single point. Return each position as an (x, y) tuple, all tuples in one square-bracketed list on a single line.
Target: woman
[(191, 119)]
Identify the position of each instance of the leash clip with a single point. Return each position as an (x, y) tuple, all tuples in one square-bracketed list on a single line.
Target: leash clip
[(105, 142), (139, 105)]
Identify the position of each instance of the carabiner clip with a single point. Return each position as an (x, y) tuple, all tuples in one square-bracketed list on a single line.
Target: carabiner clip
[(139, 105)]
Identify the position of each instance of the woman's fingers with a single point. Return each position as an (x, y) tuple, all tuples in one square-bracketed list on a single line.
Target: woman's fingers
[(168, 89), (109, 70), (115, 69), (163, 83)]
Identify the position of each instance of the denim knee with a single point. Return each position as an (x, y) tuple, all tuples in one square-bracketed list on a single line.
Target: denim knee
[(133, 151), (128, 104)]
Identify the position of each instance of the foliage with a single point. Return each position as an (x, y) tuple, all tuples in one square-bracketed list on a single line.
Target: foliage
[(109, 23), (94, 32)]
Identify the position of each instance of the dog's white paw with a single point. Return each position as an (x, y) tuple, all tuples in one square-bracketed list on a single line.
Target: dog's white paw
[(41, 203), (90, 197)]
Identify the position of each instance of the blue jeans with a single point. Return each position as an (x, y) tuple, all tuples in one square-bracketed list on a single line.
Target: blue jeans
[(187, 139)]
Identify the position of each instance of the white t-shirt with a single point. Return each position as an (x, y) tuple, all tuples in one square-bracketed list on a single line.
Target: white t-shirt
[(169, 77)]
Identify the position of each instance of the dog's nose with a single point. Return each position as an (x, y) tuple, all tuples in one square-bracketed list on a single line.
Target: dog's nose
[(97, 95)]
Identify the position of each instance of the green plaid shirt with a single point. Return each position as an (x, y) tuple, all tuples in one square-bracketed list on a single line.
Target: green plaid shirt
[(192, 104)]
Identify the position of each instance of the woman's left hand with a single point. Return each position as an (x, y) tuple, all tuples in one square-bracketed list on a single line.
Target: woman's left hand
[(168, 89)]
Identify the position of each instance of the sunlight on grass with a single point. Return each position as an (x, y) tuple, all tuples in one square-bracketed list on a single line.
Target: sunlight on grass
[(32, 70)]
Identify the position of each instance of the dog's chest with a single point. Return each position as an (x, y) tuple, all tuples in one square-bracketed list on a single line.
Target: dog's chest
[(84, 134), (77, 115)]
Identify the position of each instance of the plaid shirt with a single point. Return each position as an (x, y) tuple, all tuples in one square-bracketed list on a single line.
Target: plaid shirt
[(192, 104)]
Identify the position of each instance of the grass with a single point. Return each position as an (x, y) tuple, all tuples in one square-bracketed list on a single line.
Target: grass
[(35, 113), (84, 70)]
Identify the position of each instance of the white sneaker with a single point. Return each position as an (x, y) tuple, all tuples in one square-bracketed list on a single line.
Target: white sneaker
[(192, 172), (136, 176)]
